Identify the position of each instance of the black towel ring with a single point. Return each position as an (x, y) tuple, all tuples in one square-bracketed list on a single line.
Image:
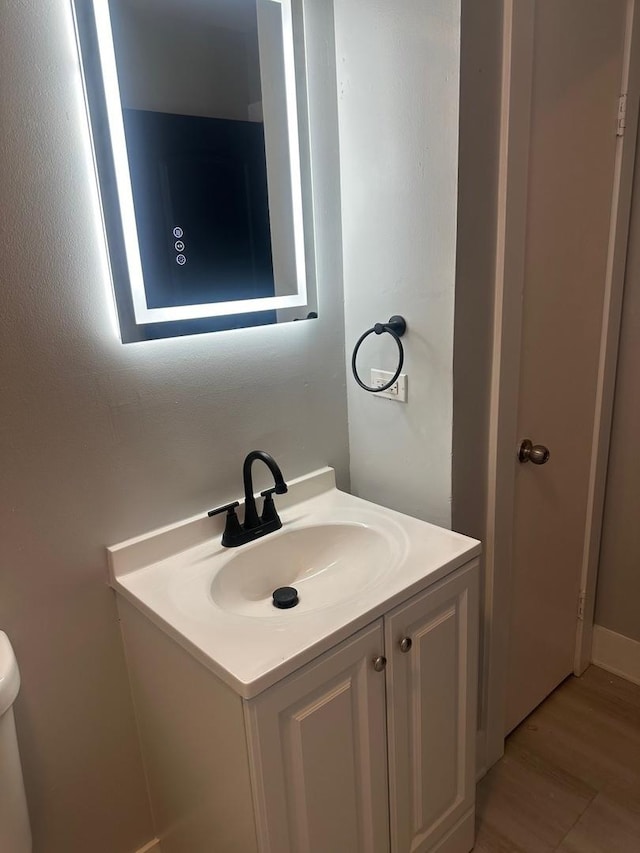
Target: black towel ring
[(396, 327)]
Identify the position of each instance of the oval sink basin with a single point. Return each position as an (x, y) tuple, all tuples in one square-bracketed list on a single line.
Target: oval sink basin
[(327, 564)]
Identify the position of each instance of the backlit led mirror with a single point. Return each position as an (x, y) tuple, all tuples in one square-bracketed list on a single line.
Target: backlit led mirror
[(199, 122)]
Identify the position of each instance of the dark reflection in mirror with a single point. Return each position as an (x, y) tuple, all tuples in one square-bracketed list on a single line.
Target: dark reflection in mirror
[(191, 95)]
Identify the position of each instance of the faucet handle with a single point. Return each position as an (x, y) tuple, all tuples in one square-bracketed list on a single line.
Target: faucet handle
[(232, 528), (230, 508), (269, 512)]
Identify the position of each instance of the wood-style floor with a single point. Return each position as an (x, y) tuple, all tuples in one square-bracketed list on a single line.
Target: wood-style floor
[(570, 777)]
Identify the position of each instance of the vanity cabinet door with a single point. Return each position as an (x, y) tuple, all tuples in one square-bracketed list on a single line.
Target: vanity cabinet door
[(317, 748), (431, 643)]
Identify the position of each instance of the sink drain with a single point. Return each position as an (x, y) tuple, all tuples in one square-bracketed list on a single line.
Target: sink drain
[(285, 597)]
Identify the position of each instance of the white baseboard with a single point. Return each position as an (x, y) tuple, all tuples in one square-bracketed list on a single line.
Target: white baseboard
[(151, 847), (616, 653)]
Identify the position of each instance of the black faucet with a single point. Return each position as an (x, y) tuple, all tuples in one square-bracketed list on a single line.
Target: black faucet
[(254, 525)]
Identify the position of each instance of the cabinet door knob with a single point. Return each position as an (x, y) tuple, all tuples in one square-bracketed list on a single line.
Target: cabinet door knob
[(405, 644), (379, 663)]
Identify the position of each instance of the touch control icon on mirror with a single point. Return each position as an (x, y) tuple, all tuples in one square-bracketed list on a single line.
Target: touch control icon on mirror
[(179, 245)]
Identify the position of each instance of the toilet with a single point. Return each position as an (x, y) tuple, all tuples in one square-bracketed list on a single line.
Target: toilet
[(15, 833)]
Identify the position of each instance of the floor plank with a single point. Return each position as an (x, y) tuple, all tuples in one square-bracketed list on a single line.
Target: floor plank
[(605, 825), (570, 777)]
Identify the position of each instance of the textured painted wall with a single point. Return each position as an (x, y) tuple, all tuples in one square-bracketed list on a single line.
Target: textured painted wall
[(100, 441), (480, 90), (398, 76), (480, 83), (618, 598)]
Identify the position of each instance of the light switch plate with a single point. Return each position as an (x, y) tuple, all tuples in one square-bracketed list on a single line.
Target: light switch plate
[(398, 390)]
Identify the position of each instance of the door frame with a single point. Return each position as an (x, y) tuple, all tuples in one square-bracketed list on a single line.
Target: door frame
[(516, 100)]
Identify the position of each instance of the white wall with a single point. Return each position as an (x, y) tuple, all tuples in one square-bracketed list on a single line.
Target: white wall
[(398, 75), (100, 441), (480, 85), (480, 91)]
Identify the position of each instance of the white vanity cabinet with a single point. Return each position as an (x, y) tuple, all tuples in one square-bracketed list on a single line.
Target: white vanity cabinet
[(370, 748), (345, 725)]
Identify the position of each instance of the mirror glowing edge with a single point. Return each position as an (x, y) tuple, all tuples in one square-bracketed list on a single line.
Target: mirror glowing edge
[(147, 278)]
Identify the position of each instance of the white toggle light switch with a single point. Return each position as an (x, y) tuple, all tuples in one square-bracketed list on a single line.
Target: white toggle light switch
[(398, 390)]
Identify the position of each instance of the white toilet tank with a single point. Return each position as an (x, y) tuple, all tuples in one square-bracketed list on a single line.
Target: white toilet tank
[(15, 833)]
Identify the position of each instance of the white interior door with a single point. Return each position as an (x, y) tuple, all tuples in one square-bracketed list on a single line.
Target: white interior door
[(577, 75)]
